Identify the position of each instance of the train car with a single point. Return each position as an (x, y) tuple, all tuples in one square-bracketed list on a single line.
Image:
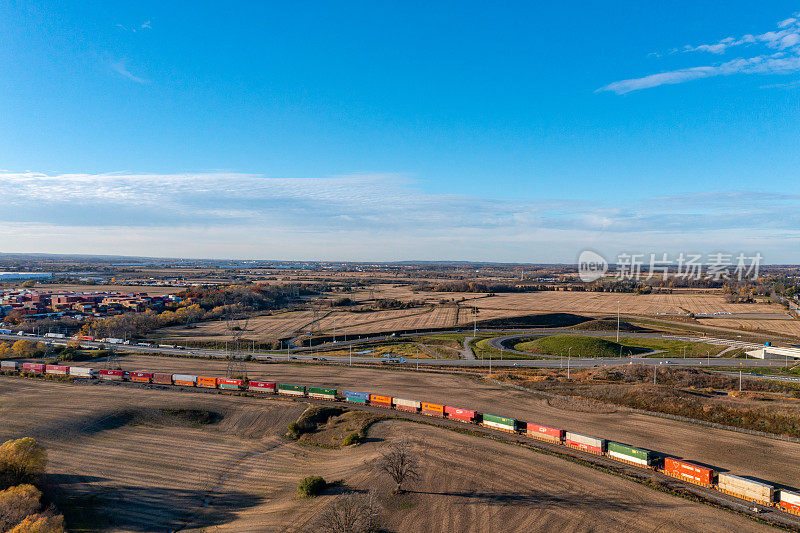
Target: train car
[(230, 383), (502, 423), (291, 390), (162, 378), (56, 370), (85, 338), (462, 415), (36, 368), (10, 366), (584, 442), (184, 380), (412, 406), (322, 393), (380, 401), (547, 433), (355, 397), (789, 501), (631, 454), (141, 377), (83, 372), (433, 409), (746, 489), (111, 375), (262, 386), (206, 382), (688, 471)]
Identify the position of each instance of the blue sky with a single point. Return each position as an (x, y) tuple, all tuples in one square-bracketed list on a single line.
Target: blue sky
[(386, 131)]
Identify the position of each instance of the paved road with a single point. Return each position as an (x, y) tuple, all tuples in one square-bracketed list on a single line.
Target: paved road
[(555, 362)]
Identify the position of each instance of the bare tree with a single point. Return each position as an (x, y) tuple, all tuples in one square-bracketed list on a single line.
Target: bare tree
[(400, 463), (351, 513)]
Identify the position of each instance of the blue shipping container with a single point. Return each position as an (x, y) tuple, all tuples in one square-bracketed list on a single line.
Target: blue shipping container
[(349, 394)]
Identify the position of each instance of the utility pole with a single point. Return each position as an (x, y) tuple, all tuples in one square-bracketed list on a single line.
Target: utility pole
[(501, 352), (569, 355), (740, 380), (351, 355), (617, 321), (334, 329)]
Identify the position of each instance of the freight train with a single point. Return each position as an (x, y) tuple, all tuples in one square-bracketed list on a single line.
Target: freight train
[(740, 487)]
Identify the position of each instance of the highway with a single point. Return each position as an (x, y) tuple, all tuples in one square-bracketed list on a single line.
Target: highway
[(549, 362)]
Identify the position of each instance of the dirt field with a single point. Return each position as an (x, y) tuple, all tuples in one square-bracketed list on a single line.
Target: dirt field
[(594, 303), (149, 474), (767, 458), (785, 327)]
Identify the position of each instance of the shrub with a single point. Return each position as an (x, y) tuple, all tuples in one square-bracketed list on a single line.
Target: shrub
[(352, 438), (16, 503), (21, 461), (311, 486), (293, 430), (41, 523)]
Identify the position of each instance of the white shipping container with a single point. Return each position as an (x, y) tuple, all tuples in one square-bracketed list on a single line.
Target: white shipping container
[(113, 341), (585, 439), (291, 392), (184, 377), (790, 497), (55, 335), (496, 425), (747, 487), (407, 403), (57, 371), (627, 458), (81, 371), (9, 365)]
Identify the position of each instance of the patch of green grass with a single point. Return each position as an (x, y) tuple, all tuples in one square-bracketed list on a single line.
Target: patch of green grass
[(673, 348), (578, 346)]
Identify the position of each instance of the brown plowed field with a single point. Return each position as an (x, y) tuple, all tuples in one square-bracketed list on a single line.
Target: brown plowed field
[(147, 474)]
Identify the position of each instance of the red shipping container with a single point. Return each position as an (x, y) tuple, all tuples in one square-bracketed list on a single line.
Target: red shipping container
[(58, 370), (113, 375), (141, 377), (380, 401), (230, 382), (465, 415), (261, 386), (162, 378), (792, 508), (583, 446), (33, 367), (688, 471), (538, 430)]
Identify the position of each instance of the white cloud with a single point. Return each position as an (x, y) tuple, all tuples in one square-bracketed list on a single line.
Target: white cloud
[(121, 68), (363, 216), (146, 25), (785, 60)]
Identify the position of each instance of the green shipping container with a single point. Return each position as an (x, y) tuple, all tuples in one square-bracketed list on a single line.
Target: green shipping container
[(638, 453), (228, 386), (510, 422), (286, 386), (321, 390), (356, 400)]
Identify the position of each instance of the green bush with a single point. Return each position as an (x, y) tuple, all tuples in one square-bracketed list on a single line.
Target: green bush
[(311, 486), (293, 430), (353, 438)]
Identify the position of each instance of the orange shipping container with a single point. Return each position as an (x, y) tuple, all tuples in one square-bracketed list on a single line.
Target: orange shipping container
[(382, 401), (208, 383), (688, 471), (432, 409)]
